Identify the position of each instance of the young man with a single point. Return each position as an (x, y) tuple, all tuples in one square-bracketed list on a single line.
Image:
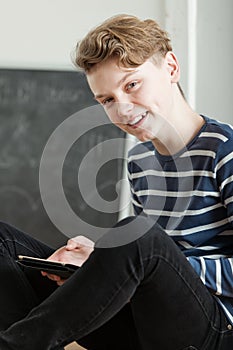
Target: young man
[(171, 287)]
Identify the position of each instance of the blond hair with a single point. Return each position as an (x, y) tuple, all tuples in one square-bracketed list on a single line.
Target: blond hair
[(126, 37)]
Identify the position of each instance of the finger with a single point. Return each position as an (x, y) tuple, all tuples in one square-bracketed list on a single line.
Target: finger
[(61, 282), (79, 242), (71, 244), (52, 277)]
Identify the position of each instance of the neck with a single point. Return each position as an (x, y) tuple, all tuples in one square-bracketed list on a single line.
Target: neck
[(179, 128)]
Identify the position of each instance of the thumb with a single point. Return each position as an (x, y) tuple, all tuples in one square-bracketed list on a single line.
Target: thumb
[(71, 244)]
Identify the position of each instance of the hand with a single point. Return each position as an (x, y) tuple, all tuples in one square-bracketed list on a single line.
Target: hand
[(76, 252)]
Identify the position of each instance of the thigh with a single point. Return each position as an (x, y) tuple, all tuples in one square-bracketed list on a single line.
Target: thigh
[(227, 342), (172, 307), (119, 333), (16, 242)]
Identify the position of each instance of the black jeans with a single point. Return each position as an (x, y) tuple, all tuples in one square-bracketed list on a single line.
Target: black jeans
[(141, 295)]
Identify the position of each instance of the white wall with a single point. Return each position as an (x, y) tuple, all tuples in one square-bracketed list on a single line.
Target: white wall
[(175, 22), (42, 33), (212, 44), (215, 59)]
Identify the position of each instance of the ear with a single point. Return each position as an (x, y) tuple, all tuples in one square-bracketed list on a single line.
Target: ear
[(173, 66)]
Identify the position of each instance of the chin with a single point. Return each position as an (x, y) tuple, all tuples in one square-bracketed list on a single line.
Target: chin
[(144, 137)]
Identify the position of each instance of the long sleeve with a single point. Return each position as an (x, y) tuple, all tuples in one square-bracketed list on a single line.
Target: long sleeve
[(190, 195), (217, 274)]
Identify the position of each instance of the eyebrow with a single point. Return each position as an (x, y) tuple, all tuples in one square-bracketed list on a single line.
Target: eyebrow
[(119, 83)]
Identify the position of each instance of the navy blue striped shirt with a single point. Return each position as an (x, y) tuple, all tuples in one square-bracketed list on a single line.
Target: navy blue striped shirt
[(190, 194)]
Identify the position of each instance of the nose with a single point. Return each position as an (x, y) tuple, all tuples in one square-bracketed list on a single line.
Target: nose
[(124, 109)]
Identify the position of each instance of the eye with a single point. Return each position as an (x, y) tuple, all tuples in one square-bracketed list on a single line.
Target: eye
[(107, 101), (130, 86)]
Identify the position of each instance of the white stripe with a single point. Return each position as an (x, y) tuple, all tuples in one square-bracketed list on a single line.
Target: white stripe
[(203, 269), (136, 203), (186, 244), (230, 218), (208, 248), (230, 316), (181, 213), (231, 264), (140, 156), (230, 126), (224, 161), (214, 257), (220, 122), (174, 174), (215, 135), (206, 153), (175, 194), (218, 278), (228, 200), (226, 181), (196, 229), (198, 152)]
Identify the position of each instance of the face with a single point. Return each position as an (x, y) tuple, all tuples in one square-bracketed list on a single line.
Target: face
[(138, 100)]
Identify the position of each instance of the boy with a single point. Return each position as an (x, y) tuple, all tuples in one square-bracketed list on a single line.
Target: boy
[(172, 287)]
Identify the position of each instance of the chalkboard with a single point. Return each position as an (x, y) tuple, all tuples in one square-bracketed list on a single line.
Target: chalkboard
[(33, 104)]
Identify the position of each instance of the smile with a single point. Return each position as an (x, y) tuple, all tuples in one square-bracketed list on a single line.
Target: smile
[(137, 120)]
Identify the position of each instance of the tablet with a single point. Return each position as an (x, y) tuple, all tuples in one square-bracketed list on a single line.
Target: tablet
[(57, 268)]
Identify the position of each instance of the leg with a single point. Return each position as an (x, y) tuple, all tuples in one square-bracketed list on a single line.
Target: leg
[(119, 333), (26, 288), (166, 297), (20, 290)]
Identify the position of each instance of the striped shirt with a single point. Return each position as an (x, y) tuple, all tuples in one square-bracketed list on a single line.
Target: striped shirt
[(190, 194)]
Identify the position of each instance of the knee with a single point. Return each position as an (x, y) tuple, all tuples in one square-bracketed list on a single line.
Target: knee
[(6, 231), (129, 230), (154, 234)]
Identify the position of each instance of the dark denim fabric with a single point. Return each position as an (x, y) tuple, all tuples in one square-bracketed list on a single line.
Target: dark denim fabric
[(141, 295)]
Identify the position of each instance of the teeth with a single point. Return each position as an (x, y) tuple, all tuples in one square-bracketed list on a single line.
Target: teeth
[(137, 119)]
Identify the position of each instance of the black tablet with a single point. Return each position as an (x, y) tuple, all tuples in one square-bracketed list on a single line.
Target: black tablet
[(57, 268)]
